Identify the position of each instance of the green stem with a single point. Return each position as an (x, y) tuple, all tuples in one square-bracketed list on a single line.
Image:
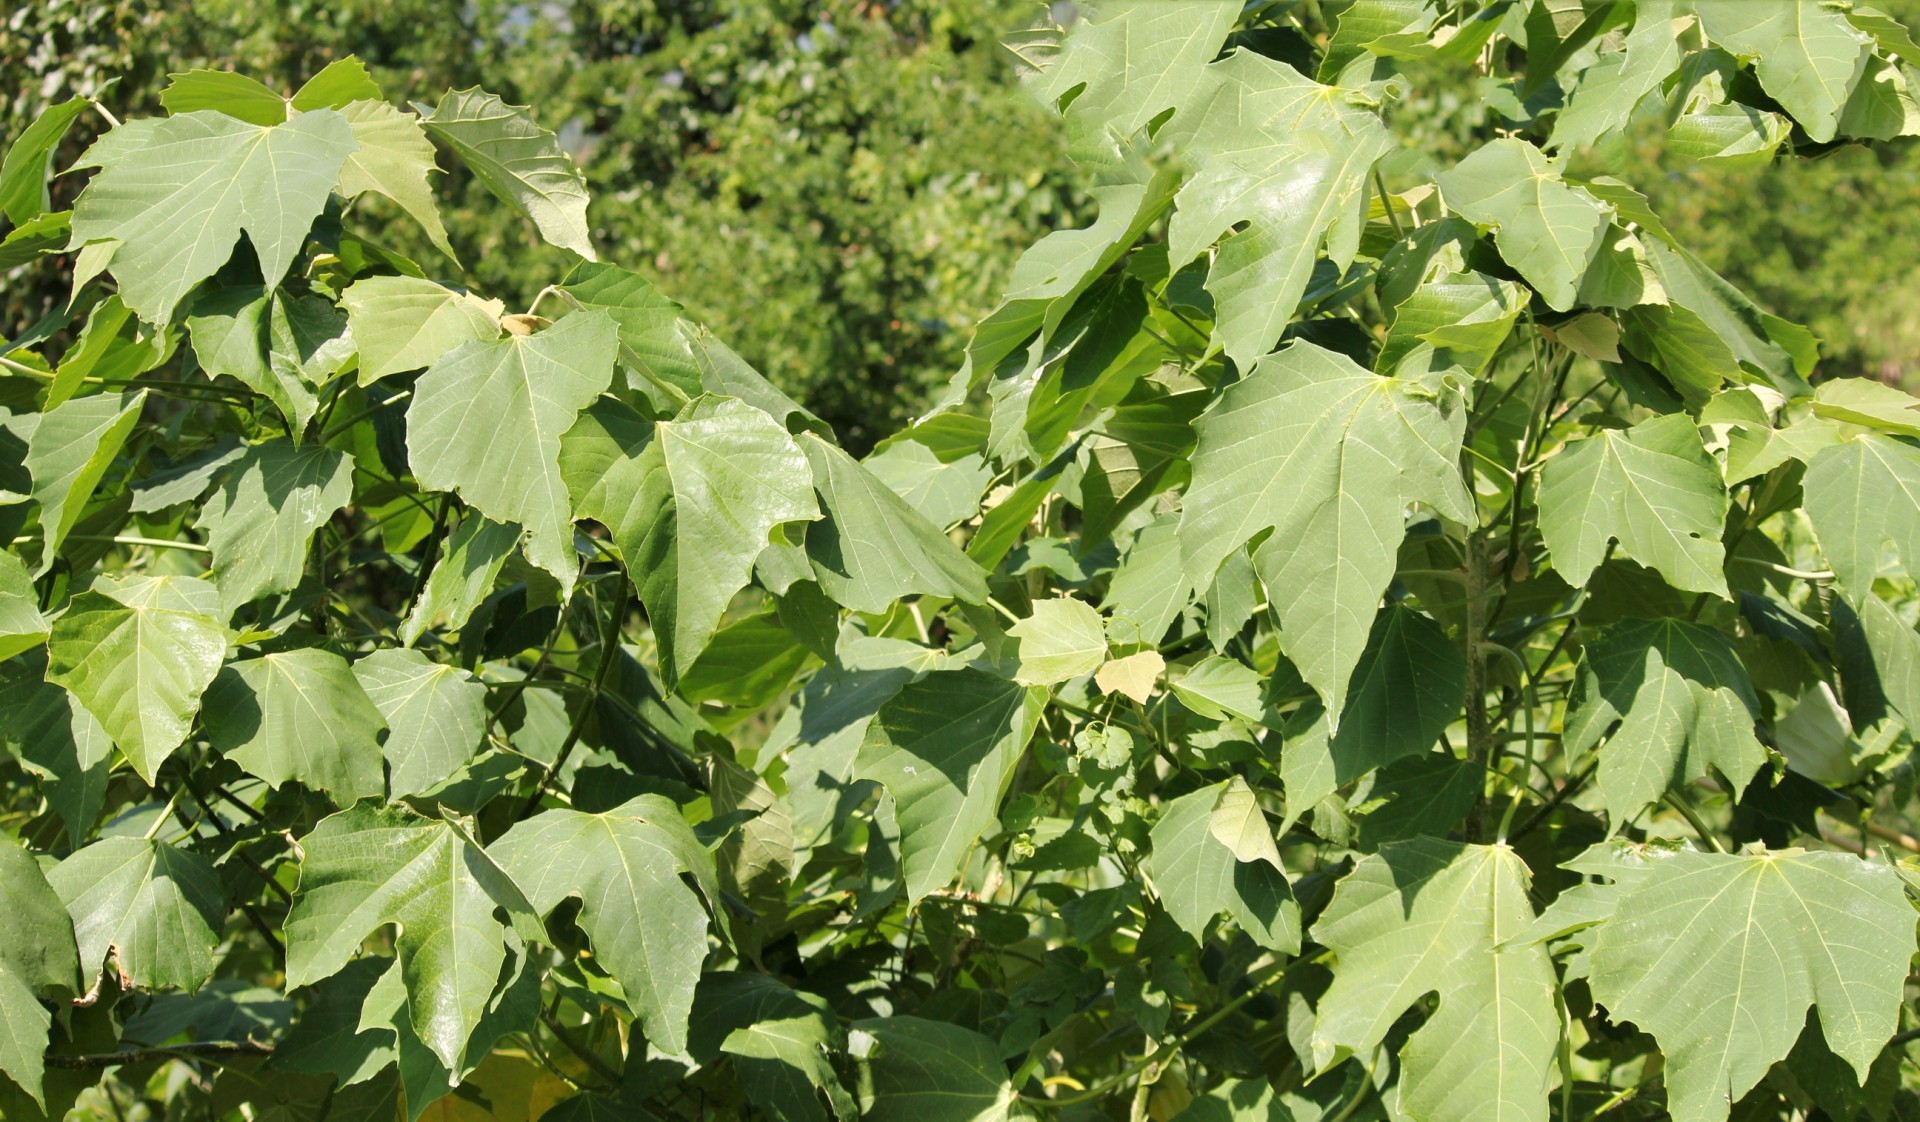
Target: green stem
[(609, 654), (127, 539), (1622, 1096), (1693, 819), (1353, 1104), (587, 1056), (1257, 985), (369, 411), (1386, 200), (211, 1050)]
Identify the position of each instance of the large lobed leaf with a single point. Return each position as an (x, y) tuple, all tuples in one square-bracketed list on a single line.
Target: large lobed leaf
[(370, 866), (1426, 916), (175, 194), (487, 418), (647, 926), (1323, 457), (692, 503), (1720, 956)]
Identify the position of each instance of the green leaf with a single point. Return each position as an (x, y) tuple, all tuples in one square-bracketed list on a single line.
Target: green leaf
[(1683, 703), (1467, 314), (38, 956), (1150, 587), (35, 238), (138, 656), (1809, 56), (1427, 794), (1406, 690), (114, 345), (1724, 313), (870, 549), (1613, 87), (1546, 229), (1142, 447), (469, 562), (369, 866), (1197, 877), (1890, 34), (587, 1107), (1062, 639), (946, 493), (1591, 335), (1738, 134), (1218, 686), (58, 741), (1719, 957), (1327, 456), (326, 1038), (1878, 657), (1864, 401), (1621, 275), (520, 162), (22, 627), (1653, 489), (757, 859), (648, 927), (423, 1078), (177, 192), (747, 664), (68, 455), (1050, 276), (158, 909), (339, 84), (1375, 27), (691, 503), (1862, 495), (945, 747), (29, 161), (650, 326), (229, 328), (915, 1070), (1281, 165), (1427, 916), (394, 158), (405, 323), (298, 715), (223, 91), (1125, 65), (435, 716), (822, 730), (784, 1067), (261, 520), (307, 341), (486, 421)]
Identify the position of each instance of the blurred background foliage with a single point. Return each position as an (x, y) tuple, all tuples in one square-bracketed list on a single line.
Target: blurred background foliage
[(733, 149)]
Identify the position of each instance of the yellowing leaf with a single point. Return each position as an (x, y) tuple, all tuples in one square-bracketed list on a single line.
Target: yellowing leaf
[(1134, 676), (1239, 824)]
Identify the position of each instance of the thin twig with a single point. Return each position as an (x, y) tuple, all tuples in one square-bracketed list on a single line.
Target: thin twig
[(587, 1055), (214, 1048)]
